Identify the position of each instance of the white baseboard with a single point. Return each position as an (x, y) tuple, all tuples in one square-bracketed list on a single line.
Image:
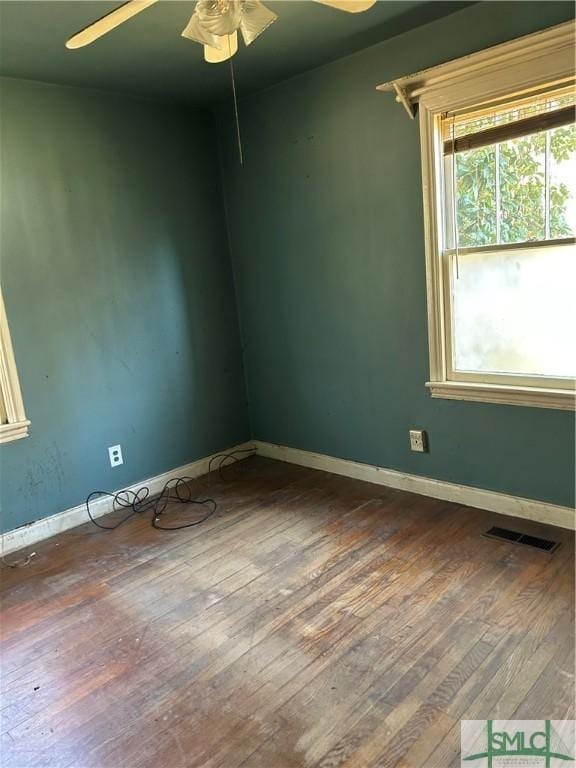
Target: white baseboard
[(502, 503), (32, 533)]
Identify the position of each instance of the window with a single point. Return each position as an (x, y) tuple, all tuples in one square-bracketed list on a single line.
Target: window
[(13, 422), (499, 182), (508, 252)]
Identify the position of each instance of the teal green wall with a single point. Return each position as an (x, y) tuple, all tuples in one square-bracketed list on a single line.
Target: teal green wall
[(119, 293), (325, 220), (116, 276)]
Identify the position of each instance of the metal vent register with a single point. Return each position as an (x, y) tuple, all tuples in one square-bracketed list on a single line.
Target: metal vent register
[(515, 537)]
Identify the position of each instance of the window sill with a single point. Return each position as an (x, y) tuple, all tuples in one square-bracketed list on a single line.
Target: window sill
[(506, 394), (16, 431)]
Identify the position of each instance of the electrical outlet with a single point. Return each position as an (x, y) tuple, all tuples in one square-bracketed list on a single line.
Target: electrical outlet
[(115, 454), (418, 440)]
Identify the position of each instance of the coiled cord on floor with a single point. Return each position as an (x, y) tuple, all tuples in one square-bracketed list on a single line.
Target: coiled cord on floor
[(175, 490), (140, 501)]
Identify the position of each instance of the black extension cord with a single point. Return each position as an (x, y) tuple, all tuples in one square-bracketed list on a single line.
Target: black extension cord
[(139, 502), (175, 490)]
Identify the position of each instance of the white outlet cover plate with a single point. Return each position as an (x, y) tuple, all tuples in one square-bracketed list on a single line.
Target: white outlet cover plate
[(115, 454), (418, 440)]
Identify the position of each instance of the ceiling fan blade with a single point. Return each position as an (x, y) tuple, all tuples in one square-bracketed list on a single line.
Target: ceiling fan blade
[(350, 6), (229, 48), (107, 23)]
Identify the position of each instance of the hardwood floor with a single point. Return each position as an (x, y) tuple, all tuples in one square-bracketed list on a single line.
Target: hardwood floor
[(314, 621)]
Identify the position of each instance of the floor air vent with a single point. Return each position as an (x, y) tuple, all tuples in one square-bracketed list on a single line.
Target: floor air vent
[(504, 534)]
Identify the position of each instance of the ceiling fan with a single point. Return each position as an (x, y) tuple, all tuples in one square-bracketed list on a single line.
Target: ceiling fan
[(214, 23)]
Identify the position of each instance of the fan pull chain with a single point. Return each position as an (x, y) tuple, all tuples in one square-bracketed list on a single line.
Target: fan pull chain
[(239, 138)]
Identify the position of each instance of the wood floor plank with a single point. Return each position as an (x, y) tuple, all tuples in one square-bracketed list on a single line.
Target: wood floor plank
[(314, 622)]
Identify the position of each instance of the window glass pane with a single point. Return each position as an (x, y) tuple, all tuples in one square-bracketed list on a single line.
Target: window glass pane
[(476, 197), (514, 312), (522, 174), (521, 190), (563, 182)]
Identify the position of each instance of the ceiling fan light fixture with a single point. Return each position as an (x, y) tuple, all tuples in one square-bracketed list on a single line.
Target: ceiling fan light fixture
[(214, 20), (196, 32), (255, 19), (229, 48)]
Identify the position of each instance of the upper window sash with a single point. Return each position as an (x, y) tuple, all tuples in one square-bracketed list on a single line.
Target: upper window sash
[(474, 129)]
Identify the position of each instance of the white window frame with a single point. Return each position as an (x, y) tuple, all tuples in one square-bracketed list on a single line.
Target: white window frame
[(14, 422), (541, 60)]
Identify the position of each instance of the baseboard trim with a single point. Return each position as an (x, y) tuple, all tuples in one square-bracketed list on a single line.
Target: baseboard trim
[(504, 504), (32, 533), (539, 511)]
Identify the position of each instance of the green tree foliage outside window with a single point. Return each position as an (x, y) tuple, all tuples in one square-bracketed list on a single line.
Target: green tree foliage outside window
[(516, 211)]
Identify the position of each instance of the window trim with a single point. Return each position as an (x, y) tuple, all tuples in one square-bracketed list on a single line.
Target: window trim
[(16, 426), (519, 67)]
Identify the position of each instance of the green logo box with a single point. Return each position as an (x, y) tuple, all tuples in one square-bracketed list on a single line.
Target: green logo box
[(517, 744)]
